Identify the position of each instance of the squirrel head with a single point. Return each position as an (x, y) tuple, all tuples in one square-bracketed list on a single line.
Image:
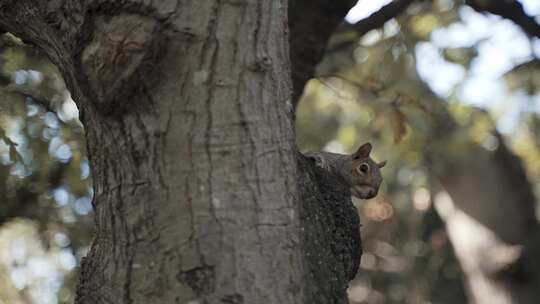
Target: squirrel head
[(366, 173)]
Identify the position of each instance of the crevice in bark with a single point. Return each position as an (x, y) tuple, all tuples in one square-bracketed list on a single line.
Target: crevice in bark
[(201, 279), (233, 299)]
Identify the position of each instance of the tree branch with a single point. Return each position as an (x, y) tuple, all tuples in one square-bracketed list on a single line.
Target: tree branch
[(331, 233), (380, 17), (373, 21), (313, 22), (508, 9)]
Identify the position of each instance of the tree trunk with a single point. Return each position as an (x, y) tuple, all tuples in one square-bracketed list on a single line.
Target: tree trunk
[(187, 112), (331, 240), (194, 181)]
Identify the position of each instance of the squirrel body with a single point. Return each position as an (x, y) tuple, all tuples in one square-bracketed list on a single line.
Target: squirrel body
[(358, 170)]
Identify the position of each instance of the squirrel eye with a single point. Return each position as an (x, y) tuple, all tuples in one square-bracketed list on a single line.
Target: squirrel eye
[(364, 168)]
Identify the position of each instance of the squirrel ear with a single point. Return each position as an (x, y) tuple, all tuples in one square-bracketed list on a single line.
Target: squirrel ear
[(381, 164), (363, 151)]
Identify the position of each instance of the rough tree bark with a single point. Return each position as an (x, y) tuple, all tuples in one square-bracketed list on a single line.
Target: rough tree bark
[(198, 198)]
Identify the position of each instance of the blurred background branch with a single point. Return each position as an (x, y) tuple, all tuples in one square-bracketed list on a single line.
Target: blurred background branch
[(511, 10)]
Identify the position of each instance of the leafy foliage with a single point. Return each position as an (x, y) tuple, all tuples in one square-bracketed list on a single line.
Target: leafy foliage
[(44, 180)]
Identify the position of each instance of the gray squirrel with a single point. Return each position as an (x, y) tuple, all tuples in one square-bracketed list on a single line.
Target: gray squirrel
[(358, 171)]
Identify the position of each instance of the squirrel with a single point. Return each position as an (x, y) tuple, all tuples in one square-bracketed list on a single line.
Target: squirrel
[(358, 171)]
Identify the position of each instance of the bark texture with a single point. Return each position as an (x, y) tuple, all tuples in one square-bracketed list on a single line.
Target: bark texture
[(187, 113), (190, 144), (332, 245)]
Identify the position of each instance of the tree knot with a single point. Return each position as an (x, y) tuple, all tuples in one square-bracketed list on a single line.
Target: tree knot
[(120, 58)]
